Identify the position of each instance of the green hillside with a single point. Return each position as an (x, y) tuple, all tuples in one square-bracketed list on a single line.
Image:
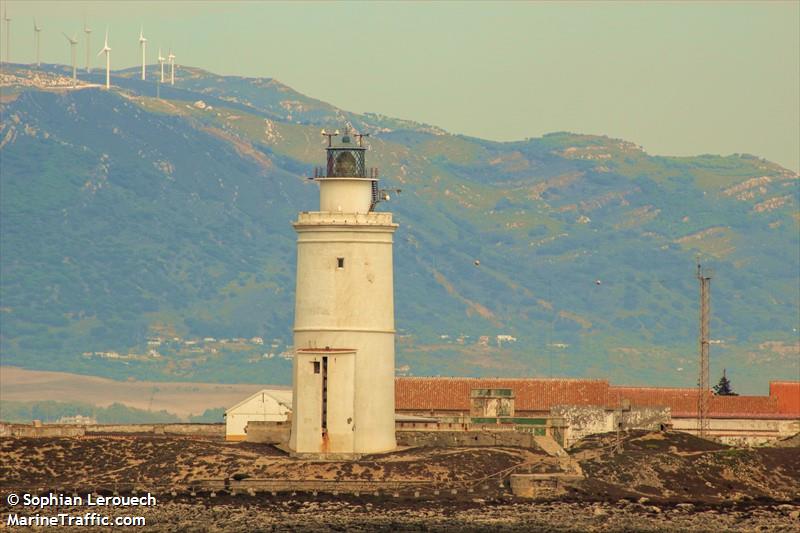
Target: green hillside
[(150, 237)]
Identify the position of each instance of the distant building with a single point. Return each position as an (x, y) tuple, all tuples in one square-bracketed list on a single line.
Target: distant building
[(733, 419), (79, 420), (450, 396), (787, 394), (505, 338), (267, 405)]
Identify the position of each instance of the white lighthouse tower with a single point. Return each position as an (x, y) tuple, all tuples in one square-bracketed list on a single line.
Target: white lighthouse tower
[(343, 388)]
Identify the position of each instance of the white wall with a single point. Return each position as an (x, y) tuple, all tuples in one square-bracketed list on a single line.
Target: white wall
[(345, 195), (346, 308), (262, 406), (742, 431), (341, 395), (584, 420)]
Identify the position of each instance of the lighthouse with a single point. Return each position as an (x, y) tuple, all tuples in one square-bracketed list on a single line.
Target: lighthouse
[(343, 369)]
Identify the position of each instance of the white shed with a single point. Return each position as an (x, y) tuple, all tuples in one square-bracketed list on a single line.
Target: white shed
[(266, 405)]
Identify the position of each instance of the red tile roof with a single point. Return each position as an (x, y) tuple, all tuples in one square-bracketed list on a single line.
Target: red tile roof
[(742, 407), (683, 402), (452, 394), (787, 393), (678, 400)]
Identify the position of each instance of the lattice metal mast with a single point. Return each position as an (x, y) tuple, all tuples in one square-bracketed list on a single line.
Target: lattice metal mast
[(703, 391)]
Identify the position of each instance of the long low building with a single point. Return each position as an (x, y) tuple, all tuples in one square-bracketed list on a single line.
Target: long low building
[(734, 419), (450, 396), (587, 405)]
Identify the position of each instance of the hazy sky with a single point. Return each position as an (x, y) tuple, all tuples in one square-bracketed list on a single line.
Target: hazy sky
[(679, 78)]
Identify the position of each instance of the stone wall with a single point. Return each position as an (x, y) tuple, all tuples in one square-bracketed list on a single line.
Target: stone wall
[(69, 430), (581, 420), (268, 432), (584, 420), (743, 431), (465, 438), (26, 430), (542, 485), (209, 430)]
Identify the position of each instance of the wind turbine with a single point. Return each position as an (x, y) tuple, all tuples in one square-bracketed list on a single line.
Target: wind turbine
[(8, 32), (161, 60), (171, 58), (107, 51), (88, 31), (73, 41), (37, 38), (143, 43)]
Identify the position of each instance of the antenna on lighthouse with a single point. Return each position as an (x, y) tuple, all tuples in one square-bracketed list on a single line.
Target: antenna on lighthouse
[(360, 136), (329, 135)]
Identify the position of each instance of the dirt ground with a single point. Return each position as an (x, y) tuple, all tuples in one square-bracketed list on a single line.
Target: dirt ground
[(660, 482), (146, 460), (675, 466)]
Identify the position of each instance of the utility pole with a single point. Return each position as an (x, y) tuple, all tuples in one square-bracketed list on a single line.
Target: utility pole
[(704, 277)]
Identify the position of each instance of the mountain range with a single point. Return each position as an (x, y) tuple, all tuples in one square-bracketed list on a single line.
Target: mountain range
[(145, 233)]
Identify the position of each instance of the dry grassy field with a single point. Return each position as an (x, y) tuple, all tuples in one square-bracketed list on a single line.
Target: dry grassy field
[(182, 399)]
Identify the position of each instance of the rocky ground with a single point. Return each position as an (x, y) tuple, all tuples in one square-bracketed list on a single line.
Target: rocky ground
[(147, 460), (660, 482), (675, 467)]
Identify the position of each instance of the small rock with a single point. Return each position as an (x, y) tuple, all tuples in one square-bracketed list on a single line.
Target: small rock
[(794, 515), (644, 499), (599, 511), (685, 506)]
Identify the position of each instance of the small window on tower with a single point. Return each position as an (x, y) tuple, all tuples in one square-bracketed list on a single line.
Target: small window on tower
[(340, 262), (316, 367)]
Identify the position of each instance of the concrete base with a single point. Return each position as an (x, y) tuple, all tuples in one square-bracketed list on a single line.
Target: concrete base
[(541, 485), (319, 457), (69, 430), (336, 456), (268, 432), (447, 439)]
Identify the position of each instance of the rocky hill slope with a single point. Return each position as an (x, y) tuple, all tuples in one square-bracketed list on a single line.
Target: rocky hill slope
[(146, 236)]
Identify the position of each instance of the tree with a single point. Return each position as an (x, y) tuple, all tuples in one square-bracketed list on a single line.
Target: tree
[(723, 388)]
